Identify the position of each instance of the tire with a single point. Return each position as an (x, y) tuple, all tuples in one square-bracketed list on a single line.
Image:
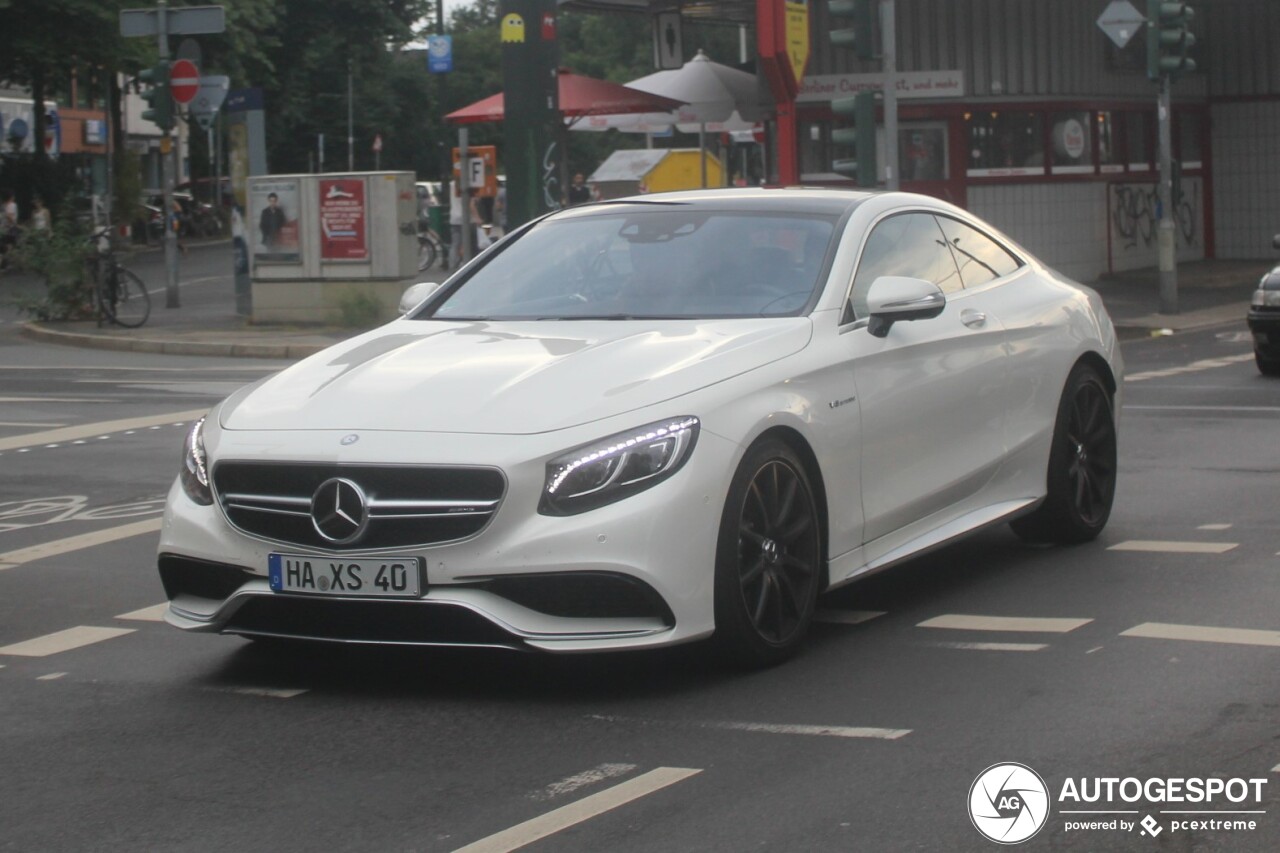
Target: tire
[(1081, 478), (768, 559), (127, 304), (426, 254), (1266, 366)]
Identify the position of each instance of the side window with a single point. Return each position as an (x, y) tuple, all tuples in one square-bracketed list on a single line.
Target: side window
[(979, 258), (909, 244)]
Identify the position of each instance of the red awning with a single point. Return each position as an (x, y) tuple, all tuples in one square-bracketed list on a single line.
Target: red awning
[(579, 96)]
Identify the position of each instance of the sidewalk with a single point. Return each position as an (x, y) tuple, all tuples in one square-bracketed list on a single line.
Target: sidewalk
[(1209, 293)]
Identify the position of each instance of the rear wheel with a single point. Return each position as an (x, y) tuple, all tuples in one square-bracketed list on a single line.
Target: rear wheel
[(125, 300), (1266, 366), (1081, 479), (768, 558), (426, 253)]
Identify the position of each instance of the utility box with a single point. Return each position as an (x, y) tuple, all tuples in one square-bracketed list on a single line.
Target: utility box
[(654, 170), (331, 248)]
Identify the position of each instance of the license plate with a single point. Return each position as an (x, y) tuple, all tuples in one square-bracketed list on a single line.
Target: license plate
[(379, 577)]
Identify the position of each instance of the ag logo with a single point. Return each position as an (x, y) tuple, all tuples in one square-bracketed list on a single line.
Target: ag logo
[(1008, 803)]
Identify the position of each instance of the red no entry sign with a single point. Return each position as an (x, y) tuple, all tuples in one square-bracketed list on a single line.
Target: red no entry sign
[(184, 81)]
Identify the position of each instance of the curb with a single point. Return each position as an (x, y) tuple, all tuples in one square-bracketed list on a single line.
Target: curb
[(172, 346)]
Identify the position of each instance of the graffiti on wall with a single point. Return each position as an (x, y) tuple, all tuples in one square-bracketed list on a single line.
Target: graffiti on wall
[(1133, 211)]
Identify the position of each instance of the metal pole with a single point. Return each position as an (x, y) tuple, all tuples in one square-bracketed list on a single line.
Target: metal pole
[(351, 144), (1166, 235), (167, 171), (111, 151), (889, 47), (464, 192)]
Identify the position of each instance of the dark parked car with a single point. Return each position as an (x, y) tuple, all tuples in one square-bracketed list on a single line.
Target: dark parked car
[(1264, 320)]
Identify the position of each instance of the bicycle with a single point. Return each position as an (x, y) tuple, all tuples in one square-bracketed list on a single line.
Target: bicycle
[(119, 295), (430, 248)]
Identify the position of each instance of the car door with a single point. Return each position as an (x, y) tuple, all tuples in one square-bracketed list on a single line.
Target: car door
[(930, 391)]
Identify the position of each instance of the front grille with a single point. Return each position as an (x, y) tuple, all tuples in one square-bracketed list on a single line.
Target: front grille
[(367, 621), (200, 578), (408, 505)]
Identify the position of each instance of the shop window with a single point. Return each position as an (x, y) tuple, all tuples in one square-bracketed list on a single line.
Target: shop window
[(1071, 141), (1138, 141), (1188, 126), (1005, 143), (1110, 150)]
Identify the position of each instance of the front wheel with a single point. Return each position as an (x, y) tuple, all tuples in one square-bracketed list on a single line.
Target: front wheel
[(1081, 480), (125, 300), (768, 558)]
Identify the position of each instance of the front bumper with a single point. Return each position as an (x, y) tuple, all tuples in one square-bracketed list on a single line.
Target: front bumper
[(632, 574)]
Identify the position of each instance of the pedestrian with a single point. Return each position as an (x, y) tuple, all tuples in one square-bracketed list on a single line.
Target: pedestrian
[(9, 230), (456, 221), (579, 192), (39, 216)]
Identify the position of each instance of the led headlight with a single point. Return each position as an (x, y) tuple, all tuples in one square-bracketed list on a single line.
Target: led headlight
[(1265, 298), (617, 467), (195, 473)]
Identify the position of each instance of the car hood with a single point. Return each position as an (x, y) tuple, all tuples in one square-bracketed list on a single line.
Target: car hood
[(508, 378)]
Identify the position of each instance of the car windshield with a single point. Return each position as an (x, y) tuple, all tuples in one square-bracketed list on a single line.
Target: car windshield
[(668, 261)]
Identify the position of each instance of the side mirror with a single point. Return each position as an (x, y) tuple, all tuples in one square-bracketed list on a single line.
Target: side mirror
[(1275, 242), (415, 294), (894, 298)]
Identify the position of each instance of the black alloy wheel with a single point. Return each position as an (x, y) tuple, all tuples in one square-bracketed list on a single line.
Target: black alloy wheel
[(768, 559), (1081, 480)]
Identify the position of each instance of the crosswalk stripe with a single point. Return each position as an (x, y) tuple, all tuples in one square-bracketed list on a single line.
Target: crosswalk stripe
[(63, 641), (1204, 634), (1160, 547), (574, 813), (75, 543), (965, 622), (154, 613)]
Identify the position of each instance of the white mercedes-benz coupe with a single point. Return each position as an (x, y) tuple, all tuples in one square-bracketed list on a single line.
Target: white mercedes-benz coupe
[(654, 420)]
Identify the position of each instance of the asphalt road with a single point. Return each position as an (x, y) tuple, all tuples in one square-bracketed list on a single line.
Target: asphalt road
[(1153, 652)]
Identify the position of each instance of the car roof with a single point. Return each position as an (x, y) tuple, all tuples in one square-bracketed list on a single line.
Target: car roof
[(757, 199)]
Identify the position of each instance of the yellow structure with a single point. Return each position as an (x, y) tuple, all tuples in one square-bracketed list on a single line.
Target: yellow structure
[(654, 170)]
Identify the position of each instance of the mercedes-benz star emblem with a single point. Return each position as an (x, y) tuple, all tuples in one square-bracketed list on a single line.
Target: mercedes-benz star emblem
[(339, 510), (349, 439)]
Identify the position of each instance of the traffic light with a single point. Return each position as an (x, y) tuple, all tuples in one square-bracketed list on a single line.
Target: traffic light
[(1169, 37), (158, 97), (860, 36), (862, 136)]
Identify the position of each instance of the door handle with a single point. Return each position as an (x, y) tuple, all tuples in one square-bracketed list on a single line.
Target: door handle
[(973, 319)]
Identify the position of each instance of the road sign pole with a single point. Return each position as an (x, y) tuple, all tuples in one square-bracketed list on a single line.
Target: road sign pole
[(889, 47), (1166, 235), (168, 168)]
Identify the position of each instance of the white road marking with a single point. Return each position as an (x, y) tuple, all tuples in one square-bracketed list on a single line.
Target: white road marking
[(54, 400), (1095, 649), (1128, 408), (269, 692), (1193, 367), (76, 543), (994, 647), (1159, 547), (1216, 526), (771, 728), (53, 676), (581, 780), (27, 424), (846, 617), (1204, 634), (63, 641), (71, 433), (154, 613), (574, 813), (1276, 769), (963, 622)]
